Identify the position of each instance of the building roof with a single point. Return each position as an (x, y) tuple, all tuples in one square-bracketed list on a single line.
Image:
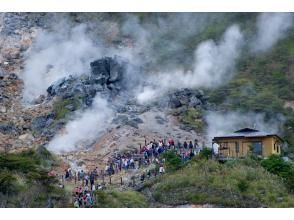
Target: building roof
[(247, 132)]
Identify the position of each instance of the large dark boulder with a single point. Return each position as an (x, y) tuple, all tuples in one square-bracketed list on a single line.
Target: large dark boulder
[(187, 97), (107, 70), (106, 78)]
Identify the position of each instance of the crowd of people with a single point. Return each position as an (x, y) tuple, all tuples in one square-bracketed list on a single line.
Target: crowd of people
[(150, 153), (86, 182)]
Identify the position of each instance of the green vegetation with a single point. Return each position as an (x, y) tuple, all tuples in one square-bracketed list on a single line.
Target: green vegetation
[(206, 153), (238, 183), (120, 199), (193, 118), (62, 106), (276, 165), (24, 180), (172, 161)]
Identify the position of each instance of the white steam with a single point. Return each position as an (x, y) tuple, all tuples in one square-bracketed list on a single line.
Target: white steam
[(214, 64), (87, 126), (271, 27), (226, 123), (56, 55)]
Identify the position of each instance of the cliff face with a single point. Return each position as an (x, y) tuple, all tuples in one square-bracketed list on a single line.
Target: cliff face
[(17, 31)]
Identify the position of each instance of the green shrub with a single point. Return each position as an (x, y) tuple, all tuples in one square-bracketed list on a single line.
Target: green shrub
[(172, 161), (7, 182), (24, 182), (206, 153), (276, 165), (243, 185)]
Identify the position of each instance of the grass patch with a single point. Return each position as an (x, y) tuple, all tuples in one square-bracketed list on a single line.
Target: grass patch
[(193, 118), (120, 199), (63, 107)]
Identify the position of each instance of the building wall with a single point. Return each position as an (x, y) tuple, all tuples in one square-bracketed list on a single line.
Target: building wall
[(270, 145)]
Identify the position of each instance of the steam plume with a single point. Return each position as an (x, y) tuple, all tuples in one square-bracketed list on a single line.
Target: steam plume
[(271, 27), (213, 63), (56, 55), (84, 129)]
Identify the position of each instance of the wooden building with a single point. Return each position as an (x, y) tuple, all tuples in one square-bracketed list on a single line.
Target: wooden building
[(247, 140)]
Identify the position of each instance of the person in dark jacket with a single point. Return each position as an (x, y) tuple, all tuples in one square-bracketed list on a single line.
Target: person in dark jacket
[(92, 179), (185, 145), (66, 174), (190, 145)]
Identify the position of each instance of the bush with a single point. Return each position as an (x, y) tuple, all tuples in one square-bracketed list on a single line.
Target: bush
[(172, 161), (276, 165), (243, 185), (7, 182), (24, 182), (206, 153)]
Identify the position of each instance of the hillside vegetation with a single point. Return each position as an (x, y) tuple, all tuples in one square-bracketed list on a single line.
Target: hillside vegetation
[(239, 183), (24, 180)]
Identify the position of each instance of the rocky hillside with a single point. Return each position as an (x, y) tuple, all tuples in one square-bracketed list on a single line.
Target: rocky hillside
[(25, 126), (88, 85), (179, 112)]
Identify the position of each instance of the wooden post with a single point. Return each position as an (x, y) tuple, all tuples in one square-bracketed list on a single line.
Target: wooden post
[(121, 181), (102, 176), (140, 147), (110, 180), (145, 142), (133, 182)]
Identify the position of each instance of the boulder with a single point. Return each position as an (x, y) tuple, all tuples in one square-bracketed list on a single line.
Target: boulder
[(100, 67), (120, 119), (174, 102), (3, 109), (9, 129), (194, 101), (26, 137), (137, 120), (41, 122), (105, 77)]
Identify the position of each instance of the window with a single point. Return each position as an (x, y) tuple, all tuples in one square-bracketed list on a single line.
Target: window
[(257, 148)]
